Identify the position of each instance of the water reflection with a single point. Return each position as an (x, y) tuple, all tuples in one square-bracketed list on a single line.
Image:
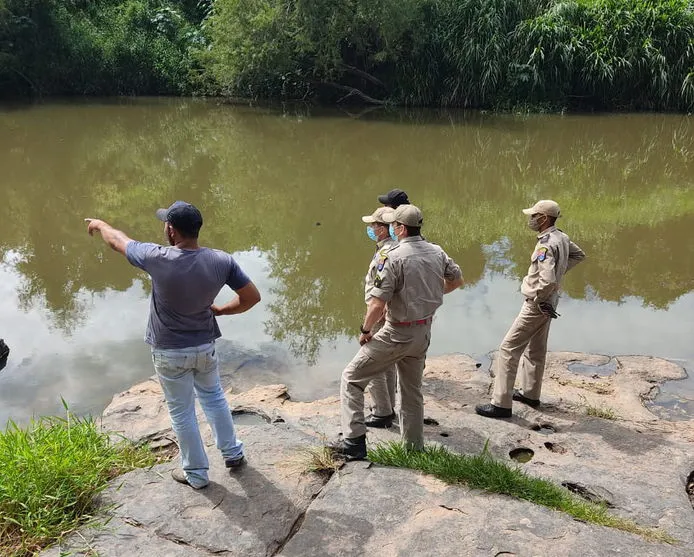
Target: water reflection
[(292, 188)]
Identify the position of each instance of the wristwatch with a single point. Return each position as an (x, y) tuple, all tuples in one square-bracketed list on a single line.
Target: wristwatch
[(363, 331)]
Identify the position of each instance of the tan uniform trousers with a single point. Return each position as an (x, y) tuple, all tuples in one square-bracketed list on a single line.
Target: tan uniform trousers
[(406, 347), (382, 387), (524, 344)]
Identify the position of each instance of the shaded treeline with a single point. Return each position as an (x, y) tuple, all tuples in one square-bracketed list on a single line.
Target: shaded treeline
[(598, 54)]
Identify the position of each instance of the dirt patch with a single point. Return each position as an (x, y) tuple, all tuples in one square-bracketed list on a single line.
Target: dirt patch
[(555, 448)]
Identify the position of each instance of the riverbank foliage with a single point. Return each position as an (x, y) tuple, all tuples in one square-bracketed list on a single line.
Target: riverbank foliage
[(592, 54), (96, 47), (482, 471), (50, 474), (589, 53)]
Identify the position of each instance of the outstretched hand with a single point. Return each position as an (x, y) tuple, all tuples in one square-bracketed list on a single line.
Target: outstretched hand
[(92, 225)]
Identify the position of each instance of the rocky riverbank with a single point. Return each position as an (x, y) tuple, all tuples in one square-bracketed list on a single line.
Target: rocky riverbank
[(594, 434)]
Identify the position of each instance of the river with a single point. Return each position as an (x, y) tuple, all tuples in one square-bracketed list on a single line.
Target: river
[(284, 191)]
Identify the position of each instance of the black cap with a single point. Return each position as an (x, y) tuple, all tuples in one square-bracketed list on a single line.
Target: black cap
[(394, 198), (182, 216)]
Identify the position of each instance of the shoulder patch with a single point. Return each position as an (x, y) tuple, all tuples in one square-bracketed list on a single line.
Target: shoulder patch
[(381, 261), (540, 254)]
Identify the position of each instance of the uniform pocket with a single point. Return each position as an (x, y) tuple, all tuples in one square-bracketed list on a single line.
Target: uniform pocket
[(401, 335)]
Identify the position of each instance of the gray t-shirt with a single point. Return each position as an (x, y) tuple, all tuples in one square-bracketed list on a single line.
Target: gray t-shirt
[(184, 286)]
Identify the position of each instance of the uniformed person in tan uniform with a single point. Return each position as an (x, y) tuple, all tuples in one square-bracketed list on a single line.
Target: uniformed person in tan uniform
[(526, 341), (382, 387), (409, 287)]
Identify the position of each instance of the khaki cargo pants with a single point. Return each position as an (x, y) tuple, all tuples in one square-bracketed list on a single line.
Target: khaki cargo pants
[(524, 344), (406, 347), (382, 387)]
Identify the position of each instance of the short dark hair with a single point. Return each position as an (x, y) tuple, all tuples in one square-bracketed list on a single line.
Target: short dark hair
[(185, 218), (413, 230), (189, 233)]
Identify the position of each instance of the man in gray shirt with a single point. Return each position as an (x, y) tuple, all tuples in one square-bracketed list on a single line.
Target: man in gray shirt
[(182, 330)]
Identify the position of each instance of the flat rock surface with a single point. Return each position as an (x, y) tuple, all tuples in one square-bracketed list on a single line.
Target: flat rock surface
[(247, 511), (389, 512), (636, 463)]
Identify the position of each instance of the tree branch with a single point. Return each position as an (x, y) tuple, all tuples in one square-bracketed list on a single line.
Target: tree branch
[(350, 92), (364, 75)]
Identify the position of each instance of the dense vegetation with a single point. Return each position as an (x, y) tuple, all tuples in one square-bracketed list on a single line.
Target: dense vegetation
[(97, 47), (50, 475), (615, 54)]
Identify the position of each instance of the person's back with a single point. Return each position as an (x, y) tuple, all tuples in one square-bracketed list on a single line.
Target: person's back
[(422, 268), (182, 329), (185, 283)]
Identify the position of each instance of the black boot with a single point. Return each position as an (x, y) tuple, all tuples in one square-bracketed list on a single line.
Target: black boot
[(352, 448), (491, 411), (4, 353), (520, 397), (382, 422)]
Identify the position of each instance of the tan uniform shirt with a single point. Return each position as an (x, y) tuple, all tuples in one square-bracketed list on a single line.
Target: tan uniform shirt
[(377, 262), (411, 280), (554, 254)]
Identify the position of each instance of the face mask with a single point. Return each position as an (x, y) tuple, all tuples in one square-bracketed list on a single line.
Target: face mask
[(535, 223), (392, 233), (371, 234)]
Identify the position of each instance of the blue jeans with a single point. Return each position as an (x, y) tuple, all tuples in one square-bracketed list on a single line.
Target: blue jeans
[(184, 373)]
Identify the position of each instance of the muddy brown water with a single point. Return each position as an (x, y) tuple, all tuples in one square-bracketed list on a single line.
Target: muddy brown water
[(285, 190)]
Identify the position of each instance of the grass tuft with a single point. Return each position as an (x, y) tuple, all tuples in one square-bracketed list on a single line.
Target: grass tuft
[(50, 474), (601, 412), (483, 471), (320, 460)]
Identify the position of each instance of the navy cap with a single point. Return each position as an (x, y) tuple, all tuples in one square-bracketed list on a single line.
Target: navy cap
[(182, 216), (394, 198)]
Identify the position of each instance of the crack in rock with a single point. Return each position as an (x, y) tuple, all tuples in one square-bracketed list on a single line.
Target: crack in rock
[(594, 494), (456, 509), (173, 538), (298, 523), (132, 521)]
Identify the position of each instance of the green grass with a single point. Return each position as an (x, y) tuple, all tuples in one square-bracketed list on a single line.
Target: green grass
[(601, 412), (485, 472), (320, 460), (50, 473)]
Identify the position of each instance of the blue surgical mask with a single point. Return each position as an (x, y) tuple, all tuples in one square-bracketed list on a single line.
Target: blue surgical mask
[(371, 234), (392, 233)]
